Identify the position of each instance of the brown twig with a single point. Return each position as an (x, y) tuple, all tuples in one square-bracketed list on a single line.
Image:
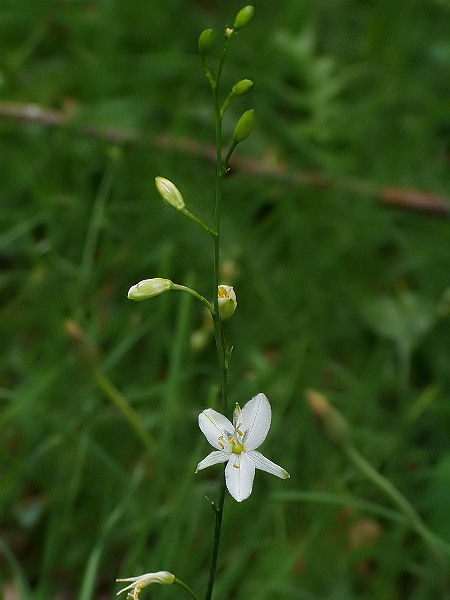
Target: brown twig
[(400, 197)]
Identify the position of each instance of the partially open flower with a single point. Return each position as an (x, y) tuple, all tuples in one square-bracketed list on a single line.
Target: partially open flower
[(141, 581), (227, 301)]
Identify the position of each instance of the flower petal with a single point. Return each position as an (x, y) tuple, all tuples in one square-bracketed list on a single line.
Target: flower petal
[(216, 428), (263, 463), (255, 421), (239, 475), (216, 457)]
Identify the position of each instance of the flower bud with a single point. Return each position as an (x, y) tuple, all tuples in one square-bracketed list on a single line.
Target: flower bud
[(169, 193), (242, 87), (226, 301), (205, 41), (244, 16), (148, 288), (335, 428), (244, 126)]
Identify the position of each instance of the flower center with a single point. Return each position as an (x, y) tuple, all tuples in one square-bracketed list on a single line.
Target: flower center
[(222, 292), (237, 448)]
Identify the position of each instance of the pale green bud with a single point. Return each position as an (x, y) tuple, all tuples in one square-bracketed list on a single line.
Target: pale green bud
[(148, 288), (205, 41), (244, 16), (242, 87), (170, 193), (226, 301), (244, 126)]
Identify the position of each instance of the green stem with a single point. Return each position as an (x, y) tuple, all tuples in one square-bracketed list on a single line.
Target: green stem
[(218, 511), (203, 225), (121, 403), (186, 588), (401, 502), (226, 104), (184, 288), (229, 153), (220, 173)]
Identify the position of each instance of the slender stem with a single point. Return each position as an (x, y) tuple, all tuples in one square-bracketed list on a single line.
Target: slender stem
[(204, 226), (215, 549), (226, 104), (220, 173), (184, 288), (229, 153), (406, 508), (121, 403), (186, 588), (221, 355)]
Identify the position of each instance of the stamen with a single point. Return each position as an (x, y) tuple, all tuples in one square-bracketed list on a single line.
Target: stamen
[(236, 466), (239, 432), (221, 445), (231, 440)]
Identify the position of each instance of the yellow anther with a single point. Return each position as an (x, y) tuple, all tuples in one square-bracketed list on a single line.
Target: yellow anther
[(231, 441), (221, 445), (236, 466), (239, 432)]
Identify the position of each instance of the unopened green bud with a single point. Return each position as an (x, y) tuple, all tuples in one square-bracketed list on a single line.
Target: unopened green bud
[(244, 126), (244, 16), (205, 41), (148, 288), (335, 428), (227, 301), (169, 193), (242, 87)]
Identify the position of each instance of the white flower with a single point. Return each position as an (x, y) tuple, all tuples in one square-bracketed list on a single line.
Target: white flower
[(141, 581), (236, 444)]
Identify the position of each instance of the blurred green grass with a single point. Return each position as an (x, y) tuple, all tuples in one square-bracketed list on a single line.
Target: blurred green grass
[(336, 291)]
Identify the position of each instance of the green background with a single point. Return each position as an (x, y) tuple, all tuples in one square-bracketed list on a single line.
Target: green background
[(338, 290)]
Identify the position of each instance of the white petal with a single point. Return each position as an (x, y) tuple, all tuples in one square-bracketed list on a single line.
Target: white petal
[(255, 421), (216, 457), (216, 428), (263, 463), (239, 475)]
